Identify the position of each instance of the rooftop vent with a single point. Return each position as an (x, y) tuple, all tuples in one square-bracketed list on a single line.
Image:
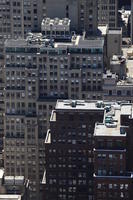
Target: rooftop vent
[(100, 104), (111, 125), (73, 104)]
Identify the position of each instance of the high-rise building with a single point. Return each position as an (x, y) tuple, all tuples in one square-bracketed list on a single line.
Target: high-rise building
[(69, 150), (89, 151), (17, 17), (39, 71), (82, 13), (112, 155), (108, 12)]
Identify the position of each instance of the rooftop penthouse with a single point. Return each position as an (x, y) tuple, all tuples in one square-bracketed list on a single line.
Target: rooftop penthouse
[(55, 25), (38, 43)]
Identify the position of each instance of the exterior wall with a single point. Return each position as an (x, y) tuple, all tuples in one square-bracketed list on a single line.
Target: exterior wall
[(33, 84), (118, 93), (108, 13), (111, 188), (83, 18), (111, 179), (69, 156), (19, 17), (114, 44)]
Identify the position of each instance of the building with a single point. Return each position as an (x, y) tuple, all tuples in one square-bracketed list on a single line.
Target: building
[(56, 28), (17, 18), (84, 17), (114, 42), (115, 89), (112, 153), (88, 151), (39, 71), (69, 150), (11, 185), (108, 13), (10, 197), (118, 66), (124, 17), (132, 21)]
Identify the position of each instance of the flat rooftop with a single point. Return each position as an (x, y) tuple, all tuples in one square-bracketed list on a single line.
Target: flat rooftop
[(111, 125), (37, 40), (10, 197), (115, 31), (76, 105), (129, 62)]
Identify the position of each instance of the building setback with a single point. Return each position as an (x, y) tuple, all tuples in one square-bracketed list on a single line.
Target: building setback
[(88, 151)]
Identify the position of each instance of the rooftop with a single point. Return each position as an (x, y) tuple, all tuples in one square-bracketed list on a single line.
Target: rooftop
[(115, 31), (111, 125), (128, 53), (77, 105), (83, 105), (109, 75), (37, 40), (10, 197), (117, 60)]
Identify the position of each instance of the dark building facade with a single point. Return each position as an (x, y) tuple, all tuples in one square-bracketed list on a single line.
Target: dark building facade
[(88, 151), (69, 150), (112, 155)]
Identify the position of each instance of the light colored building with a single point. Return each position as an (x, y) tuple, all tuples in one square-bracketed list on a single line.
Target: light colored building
[(17, 17), (108, 12), (124, 21), (56, 28), (38, 72), (82, 13), (119, 90), (118, 65)]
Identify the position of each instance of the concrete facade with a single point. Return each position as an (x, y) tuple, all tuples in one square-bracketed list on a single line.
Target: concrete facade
[(108, 12), (37, 73)]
